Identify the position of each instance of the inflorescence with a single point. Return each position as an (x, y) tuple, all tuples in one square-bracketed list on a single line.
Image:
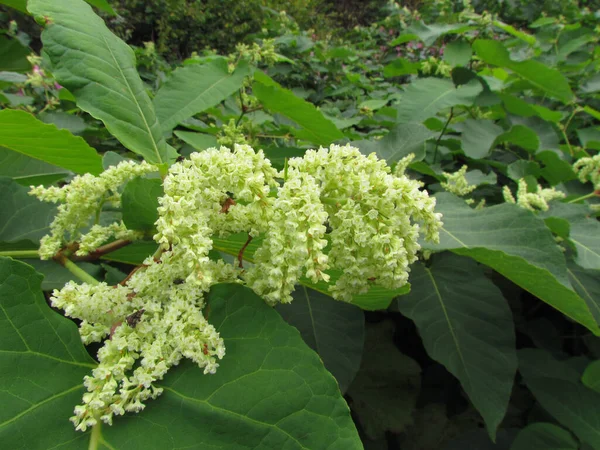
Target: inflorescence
[(334, 215)]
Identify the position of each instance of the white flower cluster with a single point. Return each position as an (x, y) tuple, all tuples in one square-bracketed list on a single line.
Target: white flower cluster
[(588, 169), (457, 184), (80, 200), (337, 209), (532, 201)]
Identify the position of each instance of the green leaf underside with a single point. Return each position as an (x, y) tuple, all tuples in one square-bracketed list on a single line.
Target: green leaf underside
[(13, 56), (478, 136), (551, 81), (557, 387), (398, 143), (315, 127), (23, 218), (193, 89), (197, 140), (546, 436), (99, 70), (335, 330), (385, 390), (587, 284), (42, 365), (140, 202), (26, 170), (23, 133), (515, 243), (473, 339), (271, 391), (425, 97)]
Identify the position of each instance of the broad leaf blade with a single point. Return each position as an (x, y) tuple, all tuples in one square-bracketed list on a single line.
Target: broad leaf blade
[(140, 203), (545, 436), (23, 133), (466, 325), (195, 88), (515, 243), (591, 376), (425, 97), (28, 171), (315, 127), (271, 391), (478, 136), (42, 365), (557, 386), (333, 329), (24, 218), (99, 70)]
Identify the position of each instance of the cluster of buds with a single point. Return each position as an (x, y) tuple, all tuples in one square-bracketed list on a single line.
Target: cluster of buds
[(533, 201)]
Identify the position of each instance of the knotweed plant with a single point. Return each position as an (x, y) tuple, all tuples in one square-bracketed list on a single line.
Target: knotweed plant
[(332, 210)]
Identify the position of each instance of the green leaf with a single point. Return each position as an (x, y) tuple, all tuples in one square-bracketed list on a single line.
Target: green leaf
[(193, 89), (589, 137), (270, 391), (399, 142), (458, 53), (102, 5), (518, 106), (28, 171), (13, 56), (385, 390), (545, 436), (592, 112), (466, 324), (478, 136), (555, 169), (429, 33), (373, 104), (333, 329), (140, 203), (133, 254), (522, 168), (531, 40), (400, 67), (515, 243), (23, 218), (591, 376), (557, 387), (551, 81), (43, 364), (315, 127), (23, 133), (587, 284), (585, 234), (99, 70), (56, 276), (20, 5), (521, 136), (425, 97), (199, 141)]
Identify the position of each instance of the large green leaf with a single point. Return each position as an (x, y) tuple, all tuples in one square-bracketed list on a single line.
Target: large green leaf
[(20, 5), (335, 330), (551, 81), (544, 436), (399, 142), (140, 203), (13, 56), (466, 324), (425, 97), (557, 387), (515, 243), (587, 284), (315, 127), (102, 5), (23, 218), (195, 88), (458, 53), (28, 171), (42, 365), (271, 391), (99, 70), (429, 33), (478, 136), (385, 390), (400, 67), (23, 133)]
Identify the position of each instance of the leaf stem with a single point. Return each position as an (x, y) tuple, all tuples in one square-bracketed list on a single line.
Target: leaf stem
[(103, 250), (96, 436), (437, 143), (583, 197), (75, 269), (21, 253)]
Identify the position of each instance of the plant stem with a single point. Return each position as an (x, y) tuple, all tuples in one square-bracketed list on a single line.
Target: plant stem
[(103, 250), (75, 269), (437, 143), (21, 253), (95, 436), (583, 197)]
